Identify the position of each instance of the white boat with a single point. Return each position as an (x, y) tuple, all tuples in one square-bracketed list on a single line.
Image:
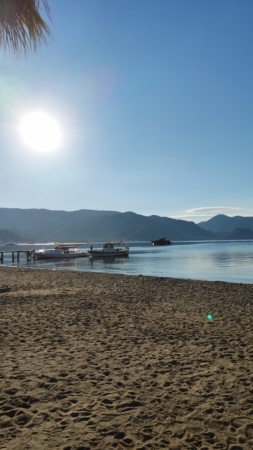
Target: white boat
[(113, 249), (63, 251)]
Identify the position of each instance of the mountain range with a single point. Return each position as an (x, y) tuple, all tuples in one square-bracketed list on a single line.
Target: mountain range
[(223, 224), (43, 225)]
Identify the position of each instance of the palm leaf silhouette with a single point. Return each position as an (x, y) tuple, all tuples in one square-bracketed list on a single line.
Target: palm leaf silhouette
[(22, 28)]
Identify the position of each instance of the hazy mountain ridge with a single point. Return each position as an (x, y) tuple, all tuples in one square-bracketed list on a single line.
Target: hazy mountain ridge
[(127, 226), (49, 225), (222, 223), (186, 228), (9, 236), (40, 224), (238, 234)]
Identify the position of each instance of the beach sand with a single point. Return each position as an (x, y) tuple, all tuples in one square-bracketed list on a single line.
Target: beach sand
[(99, 361)]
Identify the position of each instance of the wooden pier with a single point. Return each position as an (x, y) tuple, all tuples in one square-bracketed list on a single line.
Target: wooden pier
[(30, 254)]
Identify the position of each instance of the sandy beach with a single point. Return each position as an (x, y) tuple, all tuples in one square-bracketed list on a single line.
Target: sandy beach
[(99, 361)]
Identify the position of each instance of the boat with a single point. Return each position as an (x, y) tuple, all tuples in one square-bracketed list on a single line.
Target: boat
[(162, 241), (109, 249), (64, 251)]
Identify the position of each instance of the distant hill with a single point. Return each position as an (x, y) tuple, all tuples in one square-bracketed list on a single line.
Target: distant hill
[(132, 227), (9, 236), (222, 223), (41, 224), (47, 225), (238, 234), (189, 230)]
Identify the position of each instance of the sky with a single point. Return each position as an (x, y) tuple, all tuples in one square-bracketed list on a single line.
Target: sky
[(154, 105)]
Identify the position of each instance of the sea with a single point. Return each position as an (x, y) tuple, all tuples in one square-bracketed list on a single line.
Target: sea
[(230, 261)]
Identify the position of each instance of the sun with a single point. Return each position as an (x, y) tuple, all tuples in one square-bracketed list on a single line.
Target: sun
[(40, 131)]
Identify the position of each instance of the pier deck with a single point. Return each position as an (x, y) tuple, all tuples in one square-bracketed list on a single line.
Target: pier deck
[(30, 254)]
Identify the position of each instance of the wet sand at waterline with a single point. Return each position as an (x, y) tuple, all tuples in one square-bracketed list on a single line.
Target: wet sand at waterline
[(103, 361)]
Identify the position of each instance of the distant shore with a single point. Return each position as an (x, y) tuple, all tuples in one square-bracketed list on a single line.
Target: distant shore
[(93, 360)]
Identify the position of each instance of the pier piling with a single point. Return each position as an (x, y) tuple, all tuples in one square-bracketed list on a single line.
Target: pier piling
[(30, 254)]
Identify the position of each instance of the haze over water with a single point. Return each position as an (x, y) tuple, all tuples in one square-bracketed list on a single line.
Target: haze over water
[(230, 261)]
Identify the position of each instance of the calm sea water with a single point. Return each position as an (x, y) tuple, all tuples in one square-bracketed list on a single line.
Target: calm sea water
[(219, 261)]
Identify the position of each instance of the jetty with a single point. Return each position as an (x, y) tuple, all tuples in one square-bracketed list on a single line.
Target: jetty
[(30, 254)]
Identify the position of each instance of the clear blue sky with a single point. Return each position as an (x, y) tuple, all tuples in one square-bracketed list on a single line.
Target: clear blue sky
[(155, 103)]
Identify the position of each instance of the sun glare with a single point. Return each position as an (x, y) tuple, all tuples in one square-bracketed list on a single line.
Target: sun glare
[(40, 131)]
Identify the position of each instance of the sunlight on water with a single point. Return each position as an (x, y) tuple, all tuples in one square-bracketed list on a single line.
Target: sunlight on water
[(219, 261)]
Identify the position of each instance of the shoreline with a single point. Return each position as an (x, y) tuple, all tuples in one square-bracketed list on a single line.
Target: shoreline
[(232, 264), (94, 360), (21, 267)]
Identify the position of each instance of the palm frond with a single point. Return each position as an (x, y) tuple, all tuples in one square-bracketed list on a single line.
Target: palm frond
[(22, 28)]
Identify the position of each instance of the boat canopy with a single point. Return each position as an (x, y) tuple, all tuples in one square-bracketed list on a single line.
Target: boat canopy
[(112, 244), (66, 245)]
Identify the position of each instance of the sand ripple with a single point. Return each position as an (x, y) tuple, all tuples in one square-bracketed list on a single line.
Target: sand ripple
[(98, 361)]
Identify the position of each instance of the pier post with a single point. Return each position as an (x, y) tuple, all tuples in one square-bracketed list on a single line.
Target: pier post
[(13, 253), (2, 257), (18, 256)]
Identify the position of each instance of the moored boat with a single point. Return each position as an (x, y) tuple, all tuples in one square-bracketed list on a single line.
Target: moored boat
[(162, 241), (110, 249), (63, 251)]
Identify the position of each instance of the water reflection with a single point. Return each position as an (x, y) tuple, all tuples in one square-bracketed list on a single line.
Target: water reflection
[(110, 264)]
